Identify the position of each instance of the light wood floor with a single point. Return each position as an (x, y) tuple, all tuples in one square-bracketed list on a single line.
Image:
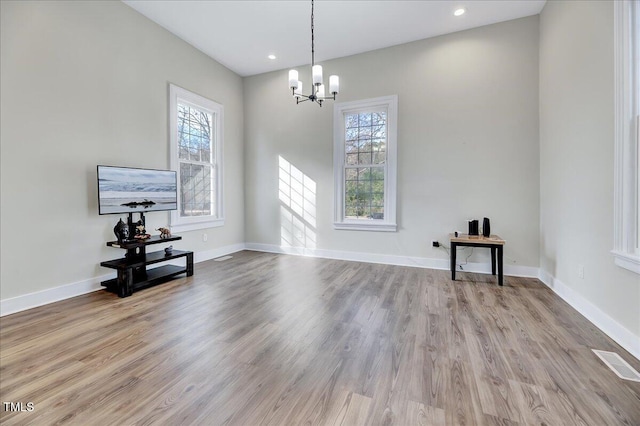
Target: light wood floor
[(276, 339)]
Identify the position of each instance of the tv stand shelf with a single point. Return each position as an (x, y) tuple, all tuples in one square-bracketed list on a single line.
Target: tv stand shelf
[(132, 269), (133, 244)]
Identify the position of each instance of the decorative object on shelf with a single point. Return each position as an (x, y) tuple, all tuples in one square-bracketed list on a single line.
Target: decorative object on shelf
[(317, 88), (122, 231), (142, 236), (136, 228), (164, 232), (486, 228), (168, 250), (474, 228)]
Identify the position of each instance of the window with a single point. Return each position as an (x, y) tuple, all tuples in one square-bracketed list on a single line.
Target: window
[(365, 164), (196, 154), (627, 147)]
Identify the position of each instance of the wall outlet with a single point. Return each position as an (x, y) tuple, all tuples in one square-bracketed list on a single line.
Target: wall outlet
[(434, 243), (204, 237), (580, 271)]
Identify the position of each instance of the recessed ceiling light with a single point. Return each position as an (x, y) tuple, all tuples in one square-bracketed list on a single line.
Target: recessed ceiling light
[(271, 57), (459, 12)]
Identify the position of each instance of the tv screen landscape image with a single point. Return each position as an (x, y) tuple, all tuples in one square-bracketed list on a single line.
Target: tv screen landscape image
[(131, 190)]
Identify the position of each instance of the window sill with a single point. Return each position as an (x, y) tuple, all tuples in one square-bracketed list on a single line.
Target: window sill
[(214, 223), (627, 261), (366, 226)]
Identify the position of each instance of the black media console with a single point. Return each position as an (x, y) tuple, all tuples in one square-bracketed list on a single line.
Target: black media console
[(132, 269)]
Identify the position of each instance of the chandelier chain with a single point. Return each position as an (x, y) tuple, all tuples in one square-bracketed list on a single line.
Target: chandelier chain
[(312, 44)]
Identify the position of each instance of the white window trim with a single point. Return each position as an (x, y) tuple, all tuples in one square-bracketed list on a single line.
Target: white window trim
[(180, 224), (390, 104), (625, 250)]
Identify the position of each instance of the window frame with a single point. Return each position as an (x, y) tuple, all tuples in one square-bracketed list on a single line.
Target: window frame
[(177, 95), (389, 104), (626, 250)]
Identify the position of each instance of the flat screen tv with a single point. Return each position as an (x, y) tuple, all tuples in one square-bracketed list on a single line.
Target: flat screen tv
[(131, 190)]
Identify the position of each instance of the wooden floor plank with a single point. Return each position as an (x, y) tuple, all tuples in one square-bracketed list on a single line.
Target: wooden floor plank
[(276, 340)]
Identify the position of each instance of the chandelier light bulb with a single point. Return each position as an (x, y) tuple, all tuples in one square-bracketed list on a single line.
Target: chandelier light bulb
[(334, 84), (320, 92), (316, 70), (298, 91), (293, 79)]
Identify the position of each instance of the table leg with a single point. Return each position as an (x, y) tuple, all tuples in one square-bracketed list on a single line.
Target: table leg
[(493, 260), (500, 266), (454, 249), (189, 264), (125, 282)]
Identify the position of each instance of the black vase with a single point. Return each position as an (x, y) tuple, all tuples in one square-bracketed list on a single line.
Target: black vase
[(486, 227)]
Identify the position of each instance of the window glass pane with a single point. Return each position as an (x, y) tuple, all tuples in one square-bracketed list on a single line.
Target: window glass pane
[(351, 174), (195, 130), (364, 120), (196, 189), (351, 121), (377, 174), (365, 145), (378, 147), (365, 135), (364, 193), (379, 131), (378, 118), (352, 158), (364, 157)]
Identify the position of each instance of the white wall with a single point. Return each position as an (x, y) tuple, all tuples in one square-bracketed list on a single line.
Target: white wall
[(86, 83), (467, 142), (576, 166)]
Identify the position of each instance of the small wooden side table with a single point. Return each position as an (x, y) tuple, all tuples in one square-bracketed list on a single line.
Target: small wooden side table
[(493, 242)]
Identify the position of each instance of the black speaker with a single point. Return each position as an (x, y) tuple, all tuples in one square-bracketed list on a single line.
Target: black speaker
[(473, 227), (486, 227)]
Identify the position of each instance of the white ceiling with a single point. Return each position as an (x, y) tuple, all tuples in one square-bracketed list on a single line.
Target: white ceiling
[(240, 34)]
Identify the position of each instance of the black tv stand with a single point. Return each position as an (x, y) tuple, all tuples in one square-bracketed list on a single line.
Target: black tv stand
[(132, 269)]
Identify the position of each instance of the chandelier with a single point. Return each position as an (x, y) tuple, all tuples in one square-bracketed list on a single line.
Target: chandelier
[(317, 88)]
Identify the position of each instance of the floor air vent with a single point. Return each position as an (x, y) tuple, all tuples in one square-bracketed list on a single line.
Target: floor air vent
[(618, 365), (220, 259)]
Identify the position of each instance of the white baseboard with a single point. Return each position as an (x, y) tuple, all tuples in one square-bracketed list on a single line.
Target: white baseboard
[(604, 322), (56, 294), (203, 256), (50, 295), (387, 259)]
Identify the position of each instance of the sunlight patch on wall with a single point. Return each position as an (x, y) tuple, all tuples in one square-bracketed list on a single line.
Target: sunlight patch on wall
[(297, 193)]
